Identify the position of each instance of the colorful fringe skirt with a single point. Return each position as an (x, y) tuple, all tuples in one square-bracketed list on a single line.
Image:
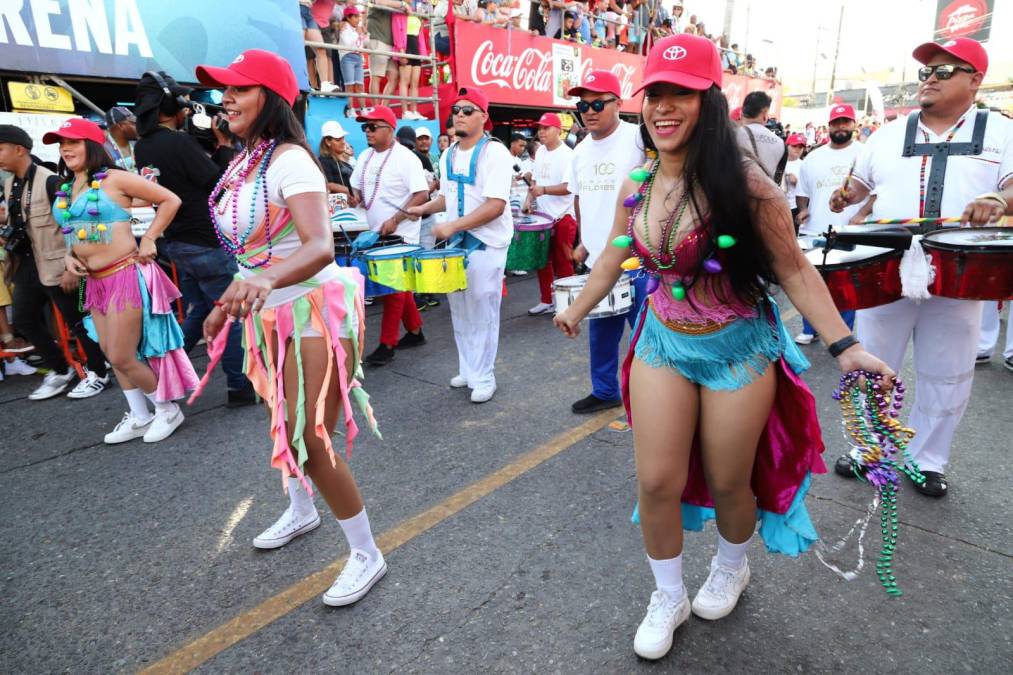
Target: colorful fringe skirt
[(728, 357), (127, 283)]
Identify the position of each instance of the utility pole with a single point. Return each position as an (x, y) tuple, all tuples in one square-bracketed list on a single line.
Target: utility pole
[(837, 50), (816, 63), (729, 11)]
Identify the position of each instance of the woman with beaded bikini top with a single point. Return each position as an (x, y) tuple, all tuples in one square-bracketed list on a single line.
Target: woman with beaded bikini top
[(723, 425), (129, 296)]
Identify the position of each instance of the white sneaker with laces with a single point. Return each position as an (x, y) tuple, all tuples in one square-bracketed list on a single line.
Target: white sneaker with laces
[(328, 87), (804, 338), (359, 575), (128, 429), (52, 385), (541, 308), (664, 615), (483, 393), (163, 424), (289, 526), (18, 367), (91, 385), (720, 593), (458, 382)]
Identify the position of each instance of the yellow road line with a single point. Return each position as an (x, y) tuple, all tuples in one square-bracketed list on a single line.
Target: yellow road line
[(249, 622)]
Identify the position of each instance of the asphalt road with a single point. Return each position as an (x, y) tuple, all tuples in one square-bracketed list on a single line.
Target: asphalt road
[(508, 536)]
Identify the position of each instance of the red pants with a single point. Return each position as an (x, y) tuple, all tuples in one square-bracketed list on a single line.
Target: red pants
[(398, 307), (560, 264)]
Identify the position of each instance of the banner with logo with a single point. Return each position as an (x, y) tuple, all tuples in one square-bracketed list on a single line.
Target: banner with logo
[(963, 18), (124, 38)]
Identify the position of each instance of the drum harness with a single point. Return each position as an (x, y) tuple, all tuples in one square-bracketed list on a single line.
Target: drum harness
[(465, 240)]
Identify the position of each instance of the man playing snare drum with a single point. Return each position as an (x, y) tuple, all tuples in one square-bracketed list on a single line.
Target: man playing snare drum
[(948, 160)]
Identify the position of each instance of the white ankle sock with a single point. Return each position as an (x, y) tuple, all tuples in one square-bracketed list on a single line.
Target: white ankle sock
[(138, 403), (668, 576), (358, 534), (160, 406), (732, 556), (302, 501)]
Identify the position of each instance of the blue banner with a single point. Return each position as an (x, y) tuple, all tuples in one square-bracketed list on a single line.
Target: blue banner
[(124, 38)]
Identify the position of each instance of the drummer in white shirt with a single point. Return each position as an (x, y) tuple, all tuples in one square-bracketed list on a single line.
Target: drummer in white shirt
[(601, 163), (824, 171), (551, 195), (388, 178)]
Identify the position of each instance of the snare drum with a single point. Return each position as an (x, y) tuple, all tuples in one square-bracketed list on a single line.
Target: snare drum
[(440, 270), (392, 266), (618, 301), (972, 264), (868, 276), (344, 258), (529, 249)]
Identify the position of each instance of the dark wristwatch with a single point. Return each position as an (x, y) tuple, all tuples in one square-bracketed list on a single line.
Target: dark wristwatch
[(839, 347)]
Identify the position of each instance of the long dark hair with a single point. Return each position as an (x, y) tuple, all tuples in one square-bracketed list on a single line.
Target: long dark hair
[(96, 158), (714, 164), (278, 122)]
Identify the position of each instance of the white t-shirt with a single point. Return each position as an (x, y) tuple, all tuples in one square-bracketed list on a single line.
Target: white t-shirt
[(792, 168), (599, 168), (350, 37), (291, 173), (895, 178), (492, 181), (823, 171), (552, 167), (769, 147), (402, 176)]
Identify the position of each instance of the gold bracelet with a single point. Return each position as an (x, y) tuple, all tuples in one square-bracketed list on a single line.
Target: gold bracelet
[(996, 197)]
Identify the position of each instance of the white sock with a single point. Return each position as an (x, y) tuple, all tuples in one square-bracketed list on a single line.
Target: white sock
[(732, 556), (302, 501), (668, 576), (138, 403), (160, 406), (358, 534)]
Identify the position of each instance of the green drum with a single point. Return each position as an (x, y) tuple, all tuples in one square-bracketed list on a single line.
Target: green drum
[(529, 249)]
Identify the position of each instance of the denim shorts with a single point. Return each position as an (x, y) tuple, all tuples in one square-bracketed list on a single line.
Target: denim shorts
[(307, 18), (351, 68)]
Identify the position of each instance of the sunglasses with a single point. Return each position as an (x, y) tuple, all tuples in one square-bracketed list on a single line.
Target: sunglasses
[(466, 110), (369, 127), (597, 106), (943, 71)]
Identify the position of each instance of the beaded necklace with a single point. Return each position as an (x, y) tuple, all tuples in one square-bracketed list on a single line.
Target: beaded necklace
[(925, 163), (227, 194), (664, 257), (93, 232), (368, 203), (879, 453)]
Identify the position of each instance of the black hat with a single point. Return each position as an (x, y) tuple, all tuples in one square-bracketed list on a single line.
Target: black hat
[(406, 135), (16, 135)]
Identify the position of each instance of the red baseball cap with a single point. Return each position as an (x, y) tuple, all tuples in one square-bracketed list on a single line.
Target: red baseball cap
[(76, 128), (967, 50), (796, 139), (842, 111), (380, 113), (476, 97), (685, 60), (351, 10), (550, 120), (254, 67), (598, 82)]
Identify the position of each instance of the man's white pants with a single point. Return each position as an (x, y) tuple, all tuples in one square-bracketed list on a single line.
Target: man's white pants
[(945, 333), (474, 313), (990, 332)]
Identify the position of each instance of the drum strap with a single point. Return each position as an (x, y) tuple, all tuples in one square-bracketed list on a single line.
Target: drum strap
[(464, 179), (940, 152)]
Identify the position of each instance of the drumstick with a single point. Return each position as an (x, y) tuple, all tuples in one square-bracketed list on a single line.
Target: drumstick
[(910, 221), (517, 168), (390, 203), (847, 179)]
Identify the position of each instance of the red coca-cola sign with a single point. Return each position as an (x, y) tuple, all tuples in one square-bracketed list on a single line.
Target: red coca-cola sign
[(963, 18)]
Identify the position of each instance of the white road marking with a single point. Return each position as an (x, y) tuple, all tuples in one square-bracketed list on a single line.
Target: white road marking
[(237, 515)]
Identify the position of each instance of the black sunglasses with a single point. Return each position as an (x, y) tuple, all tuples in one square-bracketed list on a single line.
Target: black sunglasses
[(466, 109), (597, 106), (369, 127), (943, 71)]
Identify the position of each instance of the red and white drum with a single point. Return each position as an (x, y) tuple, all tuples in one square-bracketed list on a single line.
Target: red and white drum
[(868, 276), (972, 264)]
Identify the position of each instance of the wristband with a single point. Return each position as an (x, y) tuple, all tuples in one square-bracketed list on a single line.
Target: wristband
[(839, 347)]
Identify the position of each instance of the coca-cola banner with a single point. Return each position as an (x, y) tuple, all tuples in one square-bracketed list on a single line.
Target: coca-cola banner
[(963, 18), (515, 68)]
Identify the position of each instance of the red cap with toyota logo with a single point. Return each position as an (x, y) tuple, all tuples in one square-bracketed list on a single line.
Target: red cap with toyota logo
[(254, 67), (599, 82), (76, 128), (684, 60), (842, 111), (967, 50)]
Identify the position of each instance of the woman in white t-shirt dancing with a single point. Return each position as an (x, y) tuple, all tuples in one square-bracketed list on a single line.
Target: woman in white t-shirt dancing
[(302, 315)]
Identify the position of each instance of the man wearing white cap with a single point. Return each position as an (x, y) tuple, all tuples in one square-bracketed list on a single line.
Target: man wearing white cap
[(949, 159)]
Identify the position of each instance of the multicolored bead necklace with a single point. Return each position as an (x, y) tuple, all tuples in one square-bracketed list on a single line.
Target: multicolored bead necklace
[(231, 184), (368, 203), (79, 232), (879, 453), (925, 163)]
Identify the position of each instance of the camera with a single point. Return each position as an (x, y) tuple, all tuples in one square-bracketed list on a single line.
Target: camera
[(776, 128), (15, 237)]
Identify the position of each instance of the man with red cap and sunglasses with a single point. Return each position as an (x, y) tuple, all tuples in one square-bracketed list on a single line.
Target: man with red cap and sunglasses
[(551, 195), (961, 160), (601, 162), (387, 179), (475, 177)]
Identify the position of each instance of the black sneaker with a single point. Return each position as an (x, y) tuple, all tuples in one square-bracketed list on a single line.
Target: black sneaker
[(411, 340), (239, 398), (935, 484), (431, 301), (843, 467), (982, 358), (381, 356), (591, 404), (420, 303)]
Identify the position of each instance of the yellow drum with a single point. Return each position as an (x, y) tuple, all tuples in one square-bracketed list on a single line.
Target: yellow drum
[(392, 266), (440, 270)]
